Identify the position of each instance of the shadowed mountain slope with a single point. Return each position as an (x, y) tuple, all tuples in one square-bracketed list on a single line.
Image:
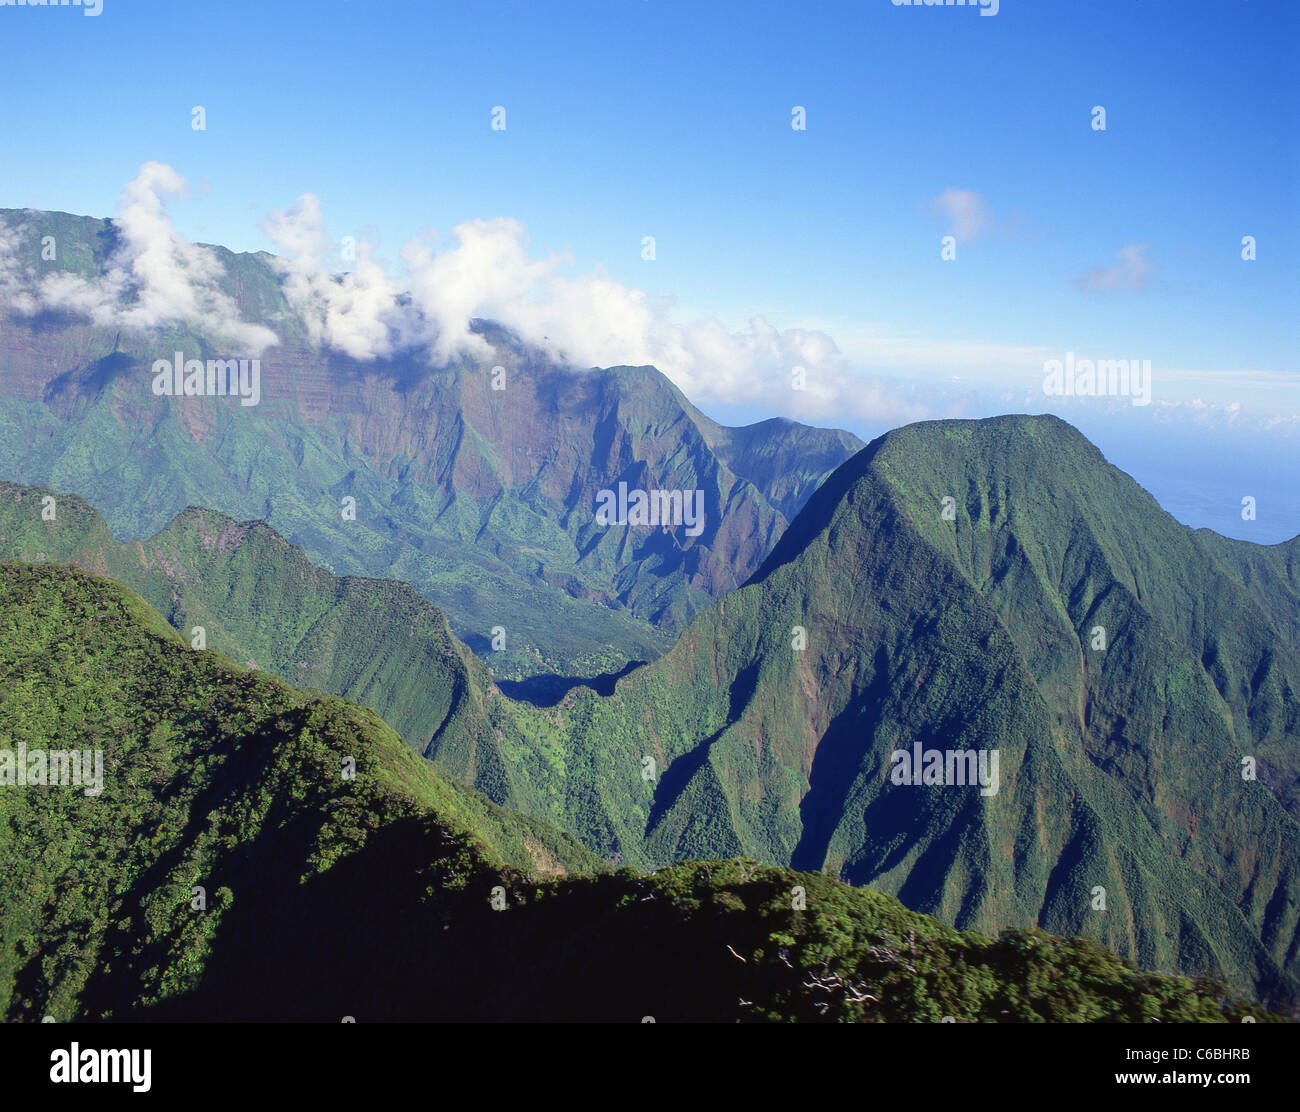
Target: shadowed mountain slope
[(260, 853)]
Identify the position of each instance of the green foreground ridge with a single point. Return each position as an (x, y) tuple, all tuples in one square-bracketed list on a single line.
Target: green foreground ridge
[(372, 895)]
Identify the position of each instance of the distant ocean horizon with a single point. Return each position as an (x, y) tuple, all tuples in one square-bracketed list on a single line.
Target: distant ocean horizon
[(1202, 480), (1206, 502)]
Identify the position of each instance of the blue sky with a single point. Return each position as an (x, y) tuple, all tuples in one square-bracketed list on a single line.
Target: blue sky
[(629, 118)]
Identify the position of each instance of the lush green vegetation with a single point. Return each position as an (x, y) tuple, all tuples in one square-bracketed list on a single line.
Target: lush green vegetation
[(328, 895), (1121, 769), (260, 601)]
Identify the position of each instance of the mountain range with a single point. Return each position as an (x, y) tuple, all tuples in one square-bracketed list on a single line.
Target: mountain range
[(1121, 666), (970, 665)]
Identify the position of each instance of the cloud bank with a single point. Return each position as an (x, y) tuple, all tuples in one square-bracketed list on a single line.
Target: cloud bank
[(585, 319), (155, 278), (486, 268)]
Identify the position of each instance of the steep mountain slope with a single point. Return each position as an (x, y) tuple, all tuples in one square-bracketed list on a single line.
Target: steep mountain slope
[(256, 852), (1271, 573), (258, 599), (782, 458), (1120, 768), (482, 498)]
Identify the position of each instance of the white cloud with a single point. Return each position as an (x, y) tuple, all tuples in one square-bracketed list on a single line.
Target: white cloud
[(586, 319), (14, 277), (355, 313), (155, 278), (967, 214), (1130, 274)]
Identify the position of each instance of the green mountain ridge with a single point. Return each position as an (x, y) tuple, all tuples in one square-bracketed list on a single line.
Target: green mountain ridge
[(258, 599), (1120, 768), (232, 868)]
